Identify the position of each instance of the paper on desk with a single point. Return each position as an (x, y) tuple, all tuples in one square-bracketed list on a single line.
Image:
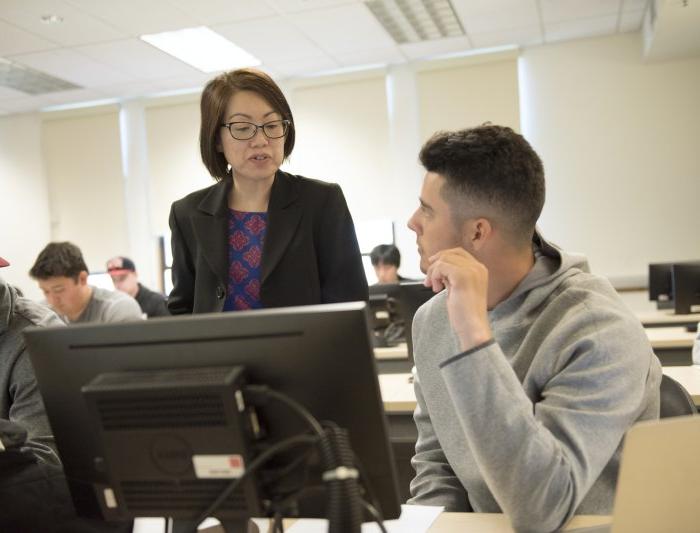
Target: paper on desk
[(413, 519)]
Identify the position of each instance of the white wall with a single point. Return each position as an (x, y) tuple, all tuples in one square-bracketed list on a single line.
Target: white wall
[(175, 165), (620, 145), (82, 152), (24, 204)]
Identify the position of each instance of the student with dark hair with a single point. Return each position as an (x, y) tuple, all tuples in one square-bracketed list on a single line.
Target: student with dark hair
[(386, 260), (63, 278), (529, 369), (33, 490), (259, 237)]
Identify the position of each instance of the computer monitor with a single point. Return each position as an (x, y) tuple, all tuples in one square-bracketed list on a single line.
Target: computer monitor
[(383, 312), (411, 296), (686, 288), (660, 285), (321, 356)]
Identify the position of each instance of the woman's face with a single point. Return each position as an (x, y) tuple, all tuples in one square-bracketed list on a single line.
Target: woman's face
[(259, 157)]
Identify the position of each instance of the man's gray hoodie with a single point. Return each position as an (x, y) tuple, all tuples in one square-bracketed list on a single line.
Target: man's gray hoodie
[(531, 424), (20, 400)]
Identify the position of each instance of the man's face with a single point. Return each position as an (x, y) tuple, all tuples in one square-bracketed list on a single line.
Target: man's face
[(386, 273), (126, 282), (63, 294), (432, 221)]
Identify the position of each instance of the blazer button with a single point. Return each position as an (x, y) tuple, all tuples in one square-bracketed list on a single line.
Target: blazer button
[(220, 292)]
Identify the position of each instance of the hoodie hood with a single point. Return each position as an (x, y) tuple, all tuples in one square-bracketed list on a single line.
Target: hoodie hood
[(7, 304), (552, 267)]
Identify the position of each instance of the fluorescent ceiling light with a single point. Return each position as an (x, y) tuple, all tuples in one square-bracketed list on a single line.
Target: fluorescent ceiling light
[(202, 48)]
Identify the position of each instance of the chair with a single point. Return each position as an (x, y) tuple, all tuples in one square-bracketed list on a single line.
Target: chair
[(675, 400)]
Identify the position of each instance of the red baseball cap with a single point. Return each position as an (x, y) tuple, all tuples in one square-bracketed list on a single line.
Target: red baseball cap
[(3, 263)]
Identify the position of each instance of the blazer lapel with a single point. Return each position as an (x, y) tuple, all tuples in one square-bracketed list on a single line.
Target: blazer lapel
[(283, 216), (211, 229)]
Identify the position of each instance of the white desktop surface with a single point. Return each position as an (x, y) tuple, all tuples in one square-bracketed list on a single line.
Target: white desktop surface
[(666, 316), (689, 377), (670, 337), (399, 397), (477, 523), (400, 351)]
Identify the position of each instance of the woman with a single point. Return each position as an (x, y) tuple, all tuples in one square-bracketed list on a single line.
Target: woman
[(259, 237)]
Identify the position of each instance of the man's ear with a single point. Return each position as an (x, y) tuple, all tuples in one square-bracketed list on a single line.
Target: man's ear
[(477, 231), (82, 278)]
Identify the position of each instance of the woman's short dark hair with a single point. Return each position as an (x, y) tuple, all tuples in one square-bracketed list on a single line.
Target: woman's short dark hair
[(215, 99), (386, 254), (59, 259), (489, 167)]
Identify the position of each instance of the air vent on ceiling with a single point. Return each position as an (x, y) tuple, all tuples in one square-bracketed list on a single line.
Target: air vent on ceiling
[(410, 21), (30, 81)]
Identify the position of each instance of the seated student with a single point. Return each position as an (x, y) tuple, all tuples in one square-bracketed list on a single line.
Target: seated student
[(62, 275), (20, 400), (529, 369), (33, 489), (125, 278), (386, 260)]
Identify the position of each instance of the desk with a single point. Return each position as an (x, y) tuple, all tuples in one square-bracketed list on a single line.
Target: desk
[(688, 376), (672, 345), (474, 523), (666, 317), (393, 360)]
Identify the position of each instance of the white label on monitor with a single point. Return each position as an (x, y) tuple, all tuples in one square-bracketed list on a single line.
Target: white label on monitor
[(110, 499), (218, 466)]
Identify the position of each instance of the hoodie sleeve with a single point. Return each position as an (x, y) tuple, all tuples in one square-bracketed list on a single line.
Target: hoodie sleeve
[(435, 483), (539, 459)]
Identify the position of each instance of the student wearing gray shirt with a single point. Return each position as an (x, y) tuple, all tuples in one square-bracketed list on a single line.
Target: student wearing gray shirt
[(529, 369), (62, 275)]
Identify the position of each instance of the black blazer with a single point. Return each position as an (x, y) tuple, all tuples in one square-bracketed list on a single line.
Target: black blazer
[(310, 255)]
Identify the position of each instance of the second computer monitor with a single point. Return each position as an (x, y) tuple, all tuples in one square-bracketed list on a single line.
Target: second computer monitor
[(686, 288)]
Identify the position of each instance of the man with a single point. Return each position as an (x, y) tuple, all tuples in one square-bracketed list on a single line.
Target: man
[(62, 275), (386, 260), (125, 278), (20, 400), (529, 369)]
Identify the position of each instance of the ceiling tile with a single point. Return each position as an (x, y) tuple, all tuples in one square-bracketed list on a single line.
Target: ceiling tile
[(270, 39), (343, 29), (8, 92), (16, 41), (136, 17), (72, 66), (76, 28), (529, 36), (479, 16), (214, 12), (292, 6), (22, 105), (631, 20), (438, 47), (74, 96), (303, 67), (136, 58), (634, 5), (384, 56), (576, 29), (564, 10)]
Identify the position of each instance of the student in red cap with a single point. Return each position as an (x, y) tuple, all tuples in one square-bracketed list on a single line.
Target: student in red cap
[(123, 272)]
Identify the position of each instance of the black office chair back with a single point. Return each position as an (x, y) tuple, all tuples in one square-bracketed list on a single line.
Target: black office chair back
[(675, 400)]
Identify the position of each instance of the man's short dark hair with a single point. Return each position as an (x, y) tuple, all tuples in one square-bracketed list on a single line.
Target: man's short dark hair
[(386, 254), (490, 168), (59, 259)]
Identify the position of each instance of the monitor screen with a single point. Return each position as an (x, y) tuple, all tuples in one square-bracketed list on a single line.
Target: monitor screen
[(686, 288), (411, 296), (660, 286), (320, 356)]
